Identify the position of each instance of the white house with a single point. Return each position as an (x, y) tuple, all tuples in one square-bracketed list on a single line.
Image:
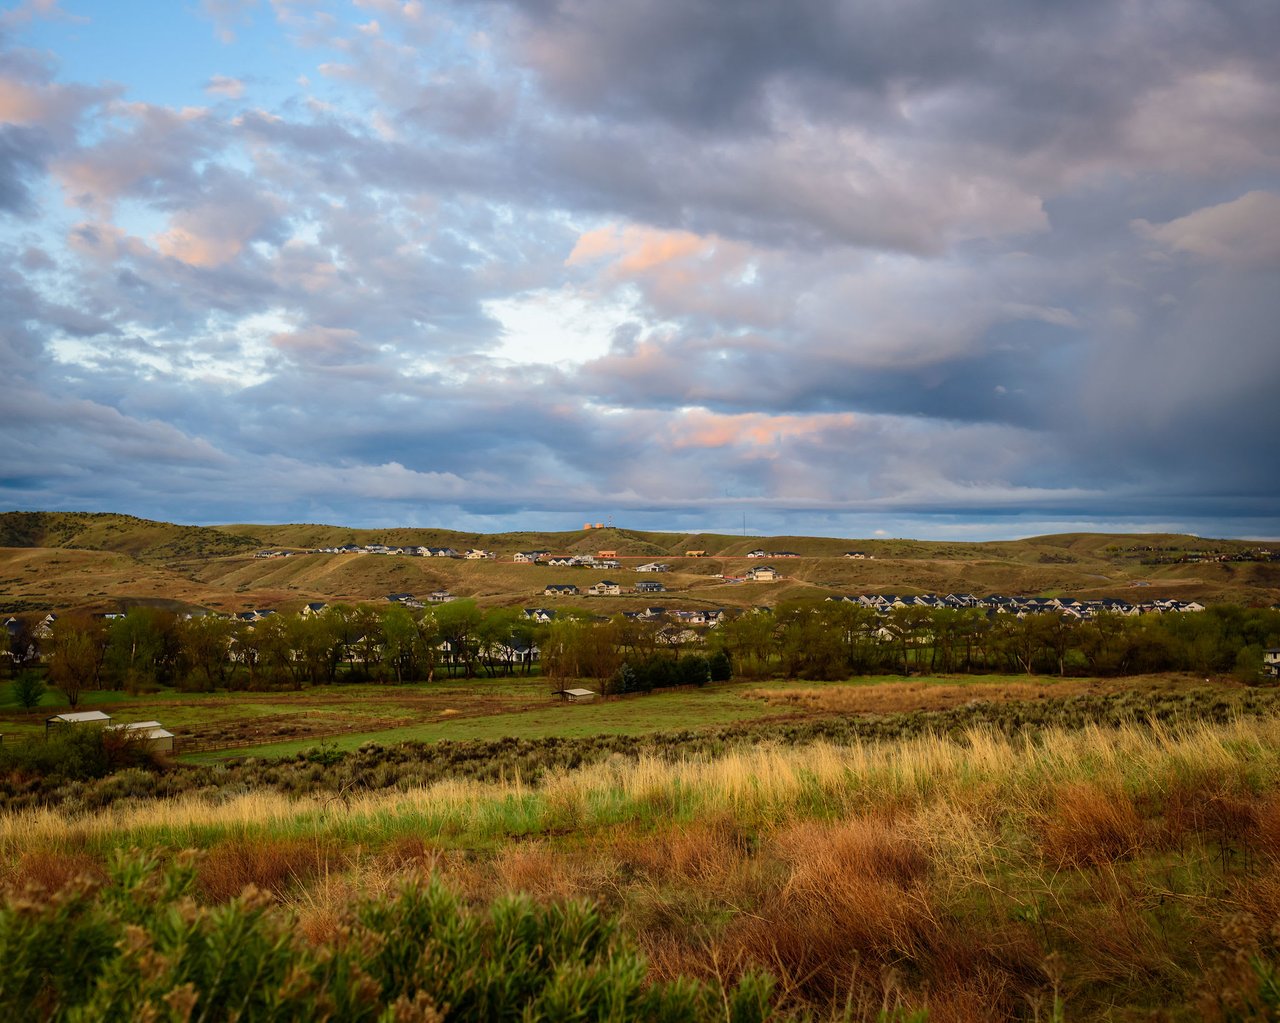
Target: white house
[(763, 574), (605, 588)]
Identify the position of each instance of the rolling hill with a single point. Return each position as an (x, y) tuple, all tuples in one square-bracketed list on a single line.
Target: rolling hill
[(101, 562)]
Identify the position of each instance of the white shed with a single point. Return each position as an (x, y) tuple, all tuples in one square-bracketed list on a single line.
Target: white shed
[(151, 733), (78, 717), (576, 695)]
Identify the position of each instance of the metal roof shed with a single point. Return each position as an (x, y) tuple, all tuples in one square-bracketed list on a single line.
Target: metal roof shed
[(576, 695), (80, 717), (155, 736)]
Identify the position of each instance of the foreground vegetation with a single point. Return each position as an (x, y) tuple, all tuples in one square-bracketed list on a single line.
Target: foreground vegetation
[(1118, 871)]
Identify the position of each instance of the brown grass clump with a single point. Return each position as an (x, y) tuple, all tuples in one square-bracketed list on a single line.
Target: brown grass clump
[(1089, 826), (553, 873), (707, 851), (51, 871), (855, 900), (1267, 836), (274, 865), (412, 852)]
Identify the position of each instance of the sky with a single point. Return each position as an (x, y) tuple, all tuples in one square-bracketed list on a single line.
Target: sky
[(814, 267)]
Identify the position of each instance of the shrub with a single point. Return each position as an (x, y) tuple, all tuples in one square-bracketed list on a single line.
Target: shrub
[(720, 665), (693, 670), (140, 948)]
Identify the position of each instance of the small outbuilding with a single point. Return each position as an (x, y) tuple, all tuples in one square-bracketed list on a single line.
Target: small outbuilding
[(77, 717), (576, 695), (151, 734)]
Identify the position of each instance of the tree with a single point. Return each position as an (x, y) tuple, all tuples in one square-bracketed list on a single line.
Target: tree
[(459, 623), (28, 689), (205, 642), (74, 656), (400, 642), (141, 648)]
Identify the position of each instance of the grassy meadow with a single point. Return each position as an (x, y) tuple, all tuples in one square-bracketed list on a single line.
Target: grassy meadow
[(1127, 872)]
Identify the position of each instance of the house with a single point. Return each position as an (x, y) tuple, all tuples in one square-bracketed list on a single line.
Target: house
[(561, 590), (857, 555), (575, 695), (400, 598), (784, 554), (564, 561), (530, 557), (757, 553), (650, 586), (695, 554), (541, 615), (1271, 662), (605, 588), (475, 554), (654, 566), (606, 554), (763, 574), (439, 597), (312, 608), (607, 563)]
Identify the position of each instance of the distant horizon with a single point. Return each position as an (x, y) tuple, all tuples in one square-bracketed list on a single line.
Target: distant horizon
[(686, 531)]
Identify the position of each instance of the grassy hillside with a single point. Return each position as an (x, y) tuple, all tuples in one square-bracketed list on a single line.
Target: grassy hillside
[(101, 562), (124, 534)]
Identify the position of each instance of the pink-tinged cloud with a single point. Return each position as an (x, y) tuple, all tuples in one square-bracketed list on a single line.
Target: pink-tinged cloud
[(322, 345), (21, 103), (758, 431), (26, 102), (30, 10), (635, 250), (221, 85), (155, 151), (216, 231), (1242, 232)]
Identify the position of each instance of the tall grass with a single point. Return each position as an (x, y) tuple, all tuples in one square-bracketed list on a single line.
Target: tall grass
[(758, 787), (976, 875)]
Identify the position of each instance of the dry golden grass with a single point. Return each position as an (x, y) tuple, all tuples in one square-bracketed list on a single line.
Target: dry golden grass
[(932, 873), (274, 865), (51, 871), (758, 787), (1090, 825), (904, 697)]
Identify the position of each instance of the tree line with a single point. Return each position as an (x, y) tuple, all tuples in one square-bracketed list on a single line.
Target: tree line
[(798, 639)]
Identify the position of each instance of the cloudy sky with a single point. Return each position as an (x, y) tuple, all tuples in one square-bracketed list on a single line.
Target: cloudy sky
[(843, 267)]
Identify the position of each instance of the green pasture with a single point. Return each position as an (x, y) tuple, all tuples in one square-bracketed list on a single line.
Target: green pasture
[(452, 709)]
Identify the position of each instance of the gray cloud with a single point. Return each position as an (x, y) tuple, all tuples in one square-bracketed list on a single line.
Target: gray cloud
[(863, 265)]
